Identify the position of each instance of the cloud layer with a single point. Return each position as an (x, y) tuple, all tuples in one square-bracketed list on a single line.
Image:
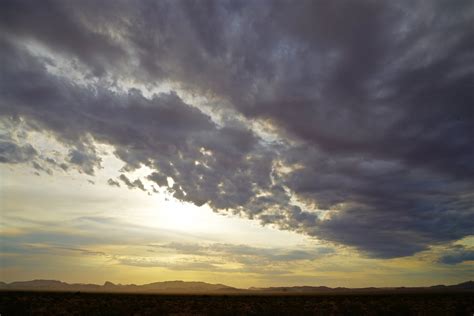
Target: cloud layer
[(348, 121)]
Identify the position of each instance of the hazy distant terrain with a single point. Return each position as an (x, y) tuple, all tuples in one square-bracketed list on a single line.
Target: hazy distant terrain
[(182, 287), (50, 297), (156, 287)]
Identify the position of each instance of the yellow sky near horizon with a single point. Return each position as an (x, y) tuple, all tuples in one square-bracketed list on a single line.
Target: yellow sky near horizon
[(67, 228)]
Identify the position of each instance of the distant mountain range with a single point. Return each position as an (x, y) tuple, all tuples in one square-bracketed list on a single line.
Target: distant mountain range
[(157, 287), (206, 288)]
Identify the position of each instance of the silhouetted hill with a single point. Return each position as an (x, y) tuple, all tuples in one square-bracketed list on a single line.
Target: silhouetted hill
[(466, 286), (157, 287), (181, 286), (294, 289), (184, 287), (39, 284), (469, 285)]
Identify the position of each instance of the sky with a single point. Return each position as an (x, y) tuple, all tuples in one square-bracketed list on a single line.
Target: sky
[(250, 143)]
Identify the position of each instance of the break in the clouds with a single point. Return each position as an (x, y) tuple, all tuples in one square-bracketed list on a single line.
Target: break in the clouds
[(348, 121)]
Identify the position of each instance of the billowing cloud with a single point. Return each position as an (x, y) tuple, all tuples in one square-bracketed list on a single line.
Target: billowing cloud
[(351, 122), (85, 160)]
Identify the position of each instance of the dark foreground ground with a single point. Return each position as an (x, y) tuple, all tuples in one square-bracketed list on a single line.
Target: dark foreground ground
[(48, 303)]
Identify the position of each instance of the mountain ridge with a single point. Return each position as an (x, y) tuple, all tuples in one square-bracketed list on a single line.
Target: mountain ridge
[(196, 287)]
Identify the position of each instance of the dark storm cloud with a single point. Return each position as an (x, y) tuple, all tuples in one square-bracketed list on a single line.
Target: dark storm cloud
[(208, 163), (372, 103), (457, 254), (62, 28), (85, 159), (159, 179), (13, 153)]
